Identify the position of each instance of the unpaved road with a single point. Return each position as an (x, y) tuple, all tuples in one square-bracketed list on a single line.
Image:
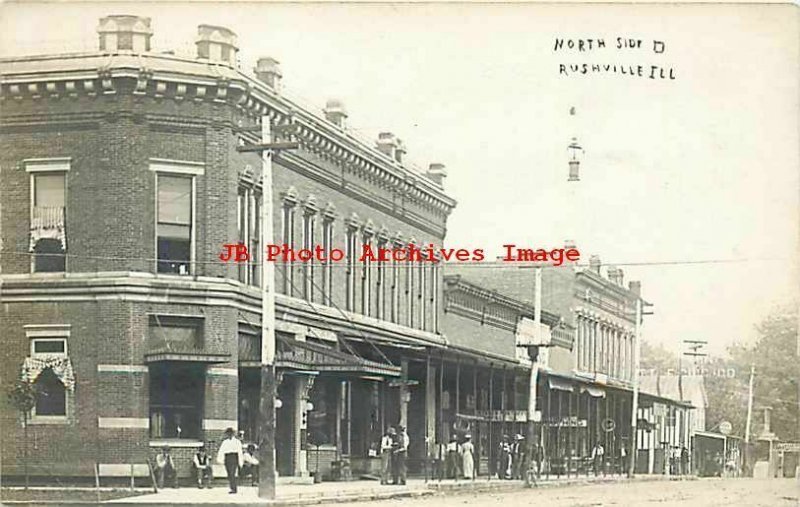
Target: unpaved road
[(701, 492)]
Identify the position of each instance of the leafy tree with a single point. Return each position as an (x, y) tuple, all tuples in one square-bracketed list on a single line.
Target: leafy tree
[(657, 359), (774, 356), (22, 396)]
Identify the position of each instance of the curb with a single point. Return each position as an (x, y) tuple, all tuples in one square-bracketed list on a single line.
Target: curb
[(429, 489)]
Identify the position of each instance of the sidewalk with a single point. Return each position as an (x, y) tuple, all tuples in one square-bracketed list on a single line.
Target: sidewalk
[(336, 492)]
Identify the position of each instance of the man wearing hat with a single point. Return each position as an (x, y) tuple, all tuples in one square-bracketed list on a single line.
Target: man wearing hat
[(400, 454), (231, 455), (202, 467), (165, 469), (518, 457)]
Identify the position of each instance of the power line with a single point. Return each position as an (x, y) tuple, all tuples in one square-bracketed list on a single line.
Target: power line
[(406, 264)]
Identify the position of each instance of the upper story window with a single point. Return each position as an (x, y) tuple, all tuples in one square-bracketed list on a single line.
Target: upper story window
[(248, 221), (48, 214), (49, 368), (175, 215)]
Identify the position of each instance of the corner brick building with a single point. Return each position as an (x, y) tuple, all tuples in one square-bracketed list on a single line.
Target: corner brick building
[(121, 182)]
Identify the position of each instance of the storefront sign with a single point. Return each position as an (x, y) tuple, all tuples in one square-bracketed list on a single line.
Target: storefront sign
[(788, 447), (567, 422), (530, 334)]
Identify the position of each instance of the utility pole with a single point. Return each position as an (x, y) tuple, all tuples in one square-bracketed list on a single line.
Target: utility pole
[(530, 476), (637, 336), (266, 406), (749, 407), (747, 453)]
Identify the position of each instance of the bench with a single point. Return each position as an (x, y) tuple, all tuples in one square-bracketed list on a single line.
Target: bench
[(132, 470)]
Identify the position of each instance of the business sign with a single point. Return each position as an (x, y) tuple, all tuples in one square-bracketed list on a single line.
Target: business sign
[(788, 447), (529, 334)]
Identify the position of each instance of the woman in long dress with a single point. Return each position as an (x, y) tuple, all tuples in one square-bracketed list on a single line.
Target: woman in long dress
[(468, 457)]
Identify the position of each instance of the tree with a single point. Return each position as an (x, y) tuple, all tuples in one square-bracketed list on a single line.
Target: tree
[(774, 355), (657, 358), (22, 396)]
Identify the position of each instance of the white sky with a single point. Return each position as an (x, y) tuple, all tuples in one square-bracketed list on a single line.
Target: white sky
[(703, 167)]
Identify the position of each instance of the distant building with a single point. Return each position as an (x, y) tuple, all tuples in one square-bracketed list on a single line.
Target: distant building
[(586, 380)]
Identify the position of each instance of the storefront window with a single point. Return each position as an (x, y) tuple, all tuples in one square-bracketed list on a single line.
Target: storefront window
[(322, 420)]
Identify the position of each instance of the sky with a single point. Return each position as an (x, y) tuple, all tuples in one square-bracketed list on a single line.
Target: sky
[(703, 167)]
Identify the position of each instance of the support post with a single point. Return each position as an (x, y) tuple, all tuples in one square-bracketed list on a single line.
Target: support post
[(635, 405), (530, 476), (266, 420)]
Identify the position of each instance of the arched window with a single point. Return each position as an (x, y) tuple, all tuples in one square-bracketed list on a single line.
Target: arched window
[(51, 395)]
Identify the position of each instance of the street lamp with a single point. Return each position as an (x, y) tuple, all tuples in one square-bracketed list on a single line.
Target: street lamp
[(575, 156)]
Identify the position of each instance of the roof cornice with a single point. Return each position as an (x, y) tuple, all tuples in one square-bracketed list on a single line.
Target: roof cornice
[(168, 76)]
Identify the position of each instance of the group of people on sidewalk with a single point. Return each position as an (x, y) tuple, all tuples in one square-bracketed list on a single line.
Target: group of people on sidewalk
[(239, 462), (512, 461), (394, 454)]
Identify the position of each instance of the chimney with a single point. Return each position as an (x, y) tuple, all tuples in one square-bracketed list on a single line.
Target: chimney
[(437, 173), (124, 33), (615, 275), (216, 44), (387, 144), (268, 71), (635, 287), (335, 112), (594, 263), (400, 151)]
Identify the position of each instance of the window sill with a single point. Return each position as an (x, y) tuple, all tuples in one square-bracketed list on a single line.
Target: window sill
[(176, 442), (49, 419)]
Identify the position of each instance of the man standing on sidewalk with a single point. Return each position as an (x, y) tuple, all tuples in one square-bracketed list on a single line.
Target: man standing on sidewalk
[(387, 444), (598, 457), (400, 455), (231, 455)]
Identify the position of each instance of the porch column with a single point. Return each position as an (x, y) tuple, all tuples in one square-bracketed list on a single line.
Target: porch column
[(303, 387), (404, 393), (430, 407)]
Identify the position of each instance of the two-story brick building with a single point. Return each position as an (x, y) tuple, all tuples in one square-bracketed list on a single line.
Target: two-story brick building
[(121, 181)]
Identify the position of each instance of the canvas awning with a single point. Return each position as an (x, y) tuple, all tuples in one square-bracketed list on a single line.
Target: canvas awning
[(560, 384), (189, 357), (597, 392), (310, 356)]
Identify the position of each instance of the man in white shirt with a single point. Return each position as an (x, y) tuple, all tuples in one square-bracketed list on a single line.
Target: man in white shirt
[(231, 455), (387, 443), (598, 458), (400, 455), (165, 469), (250, 466)]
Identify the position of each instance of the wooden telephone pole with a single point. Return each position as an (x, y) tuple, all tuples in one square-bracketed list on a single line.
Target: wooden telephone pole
[(266, 411)]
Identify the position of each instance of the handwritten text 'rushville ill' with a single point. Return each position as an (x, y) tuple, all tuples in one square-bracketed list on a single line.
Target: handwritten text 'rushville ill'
[(622, 46), (238, 252)]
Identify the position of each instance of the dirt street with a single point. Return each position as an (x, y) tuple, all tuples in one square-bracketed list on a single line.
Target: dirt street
[(702, 492)]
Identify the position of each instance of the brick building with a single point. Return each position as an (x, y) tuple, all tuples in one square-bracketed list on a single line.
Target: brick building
[(584, 391), (121, 182)]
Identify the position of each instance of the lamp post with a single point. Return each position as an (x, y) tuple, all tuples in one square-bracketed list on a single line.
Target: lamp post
[(575, 156)]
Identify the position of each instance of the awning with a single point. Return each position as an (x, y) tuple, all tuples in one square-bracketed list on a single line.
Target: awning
[(297, 355), (561, 385), (189, 357), (597, 392)]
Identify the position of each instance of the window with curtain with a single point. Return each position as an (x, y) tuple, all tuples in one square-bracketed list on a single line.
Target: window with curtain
[(174, 227)]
